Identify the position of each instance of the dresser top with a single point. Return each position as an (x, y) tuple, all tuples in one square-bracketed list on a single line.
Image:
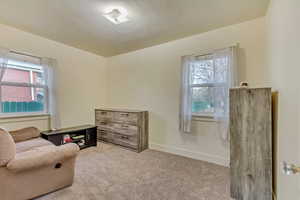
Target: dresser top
[(250, 88), (120, 110)]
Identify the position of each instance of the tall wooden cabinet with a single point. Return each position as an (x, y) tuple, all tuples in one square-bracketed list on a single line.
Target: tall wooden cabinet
[(127, 128), (251, 143)]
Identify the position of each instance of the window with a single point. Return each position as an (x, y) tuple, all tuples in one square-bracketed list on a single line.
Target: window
[(205, 83), (23, 87), (208, 78)]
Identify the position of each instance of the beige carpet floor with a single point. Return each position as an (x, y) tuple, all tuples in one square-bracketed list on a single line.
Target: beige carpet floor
[(112, 173)]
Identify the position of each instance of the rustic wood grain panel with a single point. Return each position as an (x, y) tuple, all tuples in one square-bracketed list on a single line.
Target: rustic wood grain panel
[(251, 144)]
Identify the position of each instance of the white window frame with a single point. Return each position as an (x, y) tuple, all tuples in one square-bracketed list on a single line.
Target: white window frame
[(28, 85), (206, 115)]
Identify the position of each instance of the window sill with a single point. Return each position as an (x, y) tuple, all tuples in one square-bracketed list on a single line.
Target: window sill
[(203, 118), (22, 115)]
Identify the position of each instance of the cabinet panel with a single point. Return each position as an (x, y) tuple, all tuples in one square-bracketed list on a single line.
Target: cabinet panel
[(251, 144)]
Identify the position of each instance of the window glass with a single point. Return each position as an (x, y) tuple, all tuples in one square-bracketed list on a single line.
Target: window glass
[(220, 70), (202, 100), (202, 71), (208, 75), (16, 75), (21, 72), (22, 99)]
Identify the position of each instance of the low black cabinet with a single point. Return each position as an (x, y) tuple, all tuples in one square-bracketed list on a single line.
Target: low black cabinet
[(83, 136)]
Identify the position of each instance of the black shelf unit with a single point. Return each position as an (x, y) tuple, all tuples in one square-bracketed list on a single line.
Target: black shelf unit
[(88, 131)]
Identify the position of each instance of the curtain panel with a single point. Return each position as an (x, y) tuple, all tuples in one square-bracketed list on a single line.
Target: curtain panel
[(4, 53), (185, 115), (225, 59), (50, 69)]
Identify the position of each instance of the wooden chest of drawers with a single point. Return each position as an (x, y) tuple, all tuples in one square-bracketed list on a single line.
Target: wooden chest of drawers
[(128, 128)]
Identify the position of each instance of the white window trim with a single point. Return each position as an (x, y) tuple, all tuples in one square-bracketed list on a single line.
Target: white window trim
[(204, 118), (12, 66), (22, 115)]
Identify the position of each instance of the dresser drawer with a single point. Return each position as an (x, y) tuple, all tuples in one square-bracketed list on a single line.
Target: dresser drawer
[(104, 125), (102, 115), (126, 140), (125, 129), (105, 135), (126, 117)]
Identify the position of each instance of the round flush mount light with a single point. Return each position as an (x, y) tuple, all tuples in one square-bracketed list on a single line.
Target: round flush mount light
[(116, 15)]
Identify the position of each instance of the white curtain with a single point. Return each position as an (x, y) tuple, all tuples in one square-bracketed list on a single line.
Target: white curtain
[(4, 53), (185, 115), (50, 67), (225, 64)]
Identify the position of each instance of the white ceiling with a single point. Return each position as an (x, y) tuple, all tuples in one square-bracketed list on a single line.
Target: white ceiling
[(80, 23)]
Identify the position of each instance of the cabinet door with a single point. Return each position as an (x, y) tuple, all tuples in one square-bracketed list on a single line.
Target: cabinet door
[(91, 135)]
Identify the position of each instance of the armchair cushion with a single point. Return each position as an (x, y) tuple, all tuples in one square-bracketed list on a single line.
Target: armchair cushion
[(7, 148), (42, 156), (32, 144), (25, 134)]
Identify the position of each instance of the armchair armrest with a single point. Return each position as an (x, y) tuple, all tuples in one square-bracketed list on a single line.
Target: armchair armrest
[(42, 156)]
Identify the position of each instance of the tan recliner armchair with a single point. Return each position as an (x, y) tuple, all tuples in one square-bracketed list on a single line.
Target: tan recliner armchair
[(31, 166)]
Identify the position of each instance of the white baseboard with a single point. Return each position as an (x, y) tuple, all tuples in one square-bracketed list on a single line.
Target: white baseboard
[(190, 154)]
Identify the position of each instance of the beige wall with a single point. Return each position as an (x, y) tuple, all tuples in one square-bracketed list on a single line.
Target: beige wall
[(283, 56), (82, 78), (150, 79)]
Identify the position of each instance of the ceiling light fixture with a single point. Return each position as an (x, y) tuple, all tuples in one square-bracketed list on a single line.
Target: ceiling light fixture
[(116, 16)]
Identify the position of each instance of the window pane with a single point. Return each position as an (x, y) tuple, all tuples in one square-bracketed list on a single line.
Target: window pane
[(209, 70), (22, 99), (23, 73), (202, 100), (38, 77), (16, 75), (202, 71), (221, 69)]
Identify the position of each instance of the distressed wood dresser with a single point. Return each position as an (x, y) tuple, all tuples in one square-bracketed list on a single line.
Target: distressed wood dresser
[(127, 128)]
